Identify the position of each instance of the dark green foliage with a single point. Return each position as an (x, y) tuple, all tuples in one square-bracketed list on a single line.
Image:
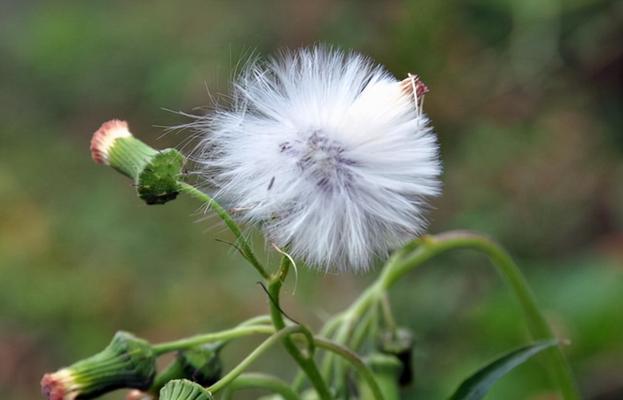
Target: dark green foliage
[(477, 386)]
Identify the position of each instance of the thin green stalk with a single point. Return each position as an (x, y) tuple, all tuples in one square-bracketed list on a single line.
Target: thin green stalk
[(245, 247), (351, 318), (327, 331), (536, 323), (261, 381), (430, 246), (366, 327), (388, 316), (363, 330), (197, 340), (353, 359), (259, 350), (258, 320), (307, 364)]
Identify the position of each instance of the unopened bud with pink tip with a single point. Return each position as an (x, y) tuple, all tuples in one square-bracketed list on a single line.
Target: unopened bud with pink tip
[(155, 172), (127, 362)]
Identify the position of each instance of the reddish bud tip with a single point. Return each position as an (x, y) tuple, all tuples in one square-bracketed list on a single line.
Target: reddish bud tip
[(105, 136), (54, 386)]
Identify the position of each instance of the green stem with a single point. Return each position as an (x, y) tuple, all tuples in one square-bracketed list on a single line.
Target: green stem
[(430, 246), (244, 364), (262, 381), (349, 321), (197, 340), (307, 363), (388, 316), (327, 331), (245, 247), (356, 362)]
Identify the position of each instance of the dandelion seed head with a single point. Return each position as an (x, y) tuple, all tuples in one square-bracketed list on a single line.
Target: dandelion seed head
[(328, 153)]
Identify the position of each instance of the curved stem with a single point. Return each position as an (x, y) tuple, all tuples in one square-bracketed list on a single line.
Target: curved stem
[(350, 319), (263, 381), (327, 331), (197, 340), (307, 364), (366, 328), (258, 320), (430, 246), (388, 316), (354, 359), (245, 247), (244, 364)]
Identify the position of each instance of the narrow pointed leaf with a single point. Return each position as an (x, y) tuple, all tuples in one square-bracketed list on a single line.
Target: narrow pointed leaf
[(476, 386)]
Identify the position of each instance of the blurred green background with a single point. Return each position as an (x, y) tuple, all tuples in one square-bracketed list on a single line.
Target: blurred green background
[(527, 99)]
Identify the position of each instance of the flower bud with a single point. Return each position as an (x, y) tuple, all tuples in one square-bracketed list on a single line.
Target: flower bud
[(182, 389), (200, 364), (399, 343), (127, 362), (154, 172)]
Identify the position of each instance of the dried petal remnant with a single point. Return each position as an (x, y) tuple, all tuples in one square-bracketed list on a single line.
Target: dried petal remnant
[(58, 385), (105, 136)]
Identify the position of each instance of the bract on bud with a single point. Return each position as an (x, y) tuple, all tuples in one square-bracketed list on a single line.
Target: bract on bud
[(200, 364), (127, 362), (182, 389)]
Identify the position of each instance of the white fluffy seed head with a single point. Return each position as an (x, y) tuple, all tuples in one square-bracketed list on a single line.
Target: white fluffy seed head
[(328, 153)]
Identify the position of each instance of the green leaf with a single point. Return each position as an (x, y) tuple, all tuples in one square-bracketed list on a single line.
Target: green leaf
[(476, 386)]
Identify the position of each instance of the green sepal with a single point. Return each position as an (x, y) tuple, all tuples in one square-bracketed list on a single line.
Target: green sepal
[(127, 362), (183, 389), (154, 172), (157, 183), (199, 364)]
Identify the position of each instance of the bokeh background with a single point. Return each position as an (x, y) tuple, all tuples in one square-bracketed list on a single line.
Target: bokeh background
[(526, 97)]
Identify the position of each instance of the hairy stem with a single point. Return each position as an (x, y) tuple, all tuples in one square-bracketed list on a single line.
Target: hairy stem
[(234, 333), (430, 246), (241, 241), (307, 363), (354, 360), (259, 350)]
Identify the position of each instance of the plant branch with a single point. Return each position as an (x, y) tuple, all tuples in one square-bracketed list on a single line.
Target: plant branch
[(307, 363), (259, 350), (244, 246), (430, 246), (240, 331), (353, 359)]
